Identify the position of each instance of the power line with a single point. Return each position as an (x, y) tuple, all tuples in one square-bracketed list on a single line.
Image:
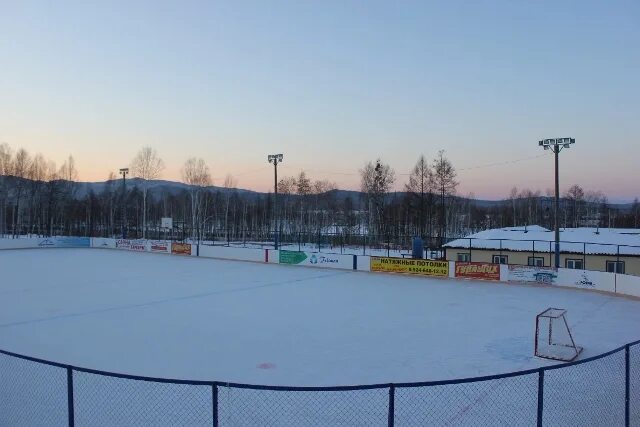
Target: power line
[(503, 163), (506, 162)]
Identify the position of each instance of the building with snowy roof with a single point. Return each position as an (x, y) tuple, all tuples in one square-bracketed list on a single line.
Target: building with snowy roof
[(613, 250)]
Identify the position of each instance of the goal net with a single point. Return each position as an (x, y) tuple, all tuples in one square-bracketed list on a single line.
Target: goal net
[(553, 336)]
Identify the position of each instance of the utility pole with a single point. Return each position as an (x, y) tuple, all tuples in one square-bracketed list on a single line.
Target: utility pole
[(124, 172), (275, 159), (556, 145)]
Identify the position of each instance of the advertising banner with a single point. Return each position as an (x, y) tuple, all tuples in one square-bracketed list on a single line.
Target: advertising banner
[(526, 273), (478, 270), (181, 248), (410, 266), (65, 242), (313, 259), (159, 246), (123, 244), (131, 245), (594, 280), (291, 257)]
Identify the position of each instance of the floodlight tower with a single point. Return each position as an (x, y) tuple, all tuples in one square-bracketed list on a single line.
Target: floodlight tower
[(124, 172), (275, 159), (556, 145)]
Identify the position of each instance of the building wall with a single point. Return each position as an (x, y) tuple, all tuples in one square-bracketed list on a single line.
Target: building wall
[(592, 262)]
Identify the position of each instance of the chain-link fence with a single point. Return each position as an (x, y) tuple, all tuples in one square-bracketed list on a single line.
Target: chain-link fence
[(602, 390)]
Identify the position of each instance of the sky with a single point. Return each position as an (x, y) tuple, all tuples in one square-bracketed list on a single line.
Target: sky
[(331, 85)]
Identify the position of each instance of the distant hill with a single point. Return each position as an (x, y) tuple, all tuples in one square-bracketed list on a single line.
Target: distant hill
[(172, 187), (155, 187)]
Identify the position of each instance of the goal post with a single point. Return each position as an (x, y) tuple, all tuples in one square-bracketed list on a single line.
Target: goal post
[(553, 338)]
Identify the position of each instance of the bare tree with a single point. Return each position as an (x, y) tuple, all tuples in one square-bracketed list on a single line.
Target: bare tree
[(513, 199), (304, 190), (444, 178), (195, 172), (6, 169), (375, 182), (148, 166), (20, 169), (230, 183), (575, 196), (420, 187)]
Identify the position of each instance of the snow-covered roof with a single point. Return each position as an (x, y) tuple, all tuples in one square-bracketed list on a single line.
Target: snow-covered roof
[(540, 239)]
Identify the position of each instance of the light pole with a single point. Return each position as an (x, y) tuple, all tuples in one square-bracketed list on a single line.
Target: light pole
[(275, 159), (556, 145), (124, 172)]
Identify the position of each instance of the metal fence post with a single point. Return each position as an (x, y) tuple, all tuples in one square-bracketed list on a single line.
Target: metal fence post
[(71, 413), (388, 245), (392, 405), (540, 396), (214, 403), (627, 382)]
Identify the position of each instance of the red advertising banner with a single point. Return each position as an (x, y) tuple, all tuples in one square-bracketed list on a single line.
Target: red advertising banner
[(181, 248), (478, 270), (159, 246)]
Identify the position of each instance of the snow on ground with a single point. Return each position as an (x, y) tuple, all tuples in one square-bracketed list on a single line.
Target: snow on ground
[(194, 318), (575, 240)]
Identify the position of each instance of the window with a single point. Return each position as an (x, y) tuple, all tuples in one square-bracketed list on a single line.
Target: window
[(500, 259), (536, 261), (615, 267), (576, 264), (464, 257)]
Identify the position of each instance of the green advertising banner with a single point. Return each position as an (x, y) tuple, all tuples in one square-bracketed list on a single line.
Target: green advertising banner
[(291, 257)]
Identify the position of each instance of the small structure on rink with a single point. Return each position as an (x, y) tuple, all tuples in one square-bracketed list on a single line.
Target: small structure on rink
[(553, 336)]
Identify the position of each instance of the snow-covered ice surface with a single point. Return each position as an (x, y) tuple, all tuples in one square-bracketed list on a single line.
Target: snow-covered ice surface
[(203, 319)]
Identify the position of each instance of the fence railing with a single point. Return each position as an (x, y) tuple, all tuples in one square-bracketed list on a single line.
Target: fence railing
[(600, 390)]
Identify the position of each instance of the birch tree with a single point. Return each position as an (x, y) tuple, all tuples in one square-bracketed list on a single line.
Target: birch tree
[(420, 187), (375, 182), (230, 183), (146, 165), (6, 169), (444, 178), (195, 172)]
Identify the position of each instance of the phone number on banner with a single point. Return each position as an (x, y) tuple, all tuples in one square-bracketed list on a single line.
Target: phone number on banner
[(410, 266)]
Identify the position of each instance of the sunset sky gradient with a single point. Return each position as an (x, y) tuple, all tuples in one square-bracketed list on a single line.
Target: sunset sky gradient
[(331, 84)]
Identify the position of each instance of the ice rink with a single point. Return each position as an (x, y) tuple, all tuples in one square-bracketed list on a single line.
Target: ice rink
[(203, 319)]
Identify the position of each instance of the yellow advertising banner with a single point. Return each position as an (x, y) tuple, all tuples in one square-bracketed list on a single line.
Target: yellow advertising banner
[(410, 266)]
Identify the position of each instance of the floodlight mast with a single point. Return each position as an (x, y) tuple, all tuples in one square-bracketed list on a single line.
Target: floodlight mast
[(556, 145), (275, 159), (124, 172)]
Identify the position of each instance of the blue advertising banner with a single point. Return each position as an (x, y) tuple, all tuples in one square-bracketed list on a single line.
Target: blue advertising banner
[(65, 242)]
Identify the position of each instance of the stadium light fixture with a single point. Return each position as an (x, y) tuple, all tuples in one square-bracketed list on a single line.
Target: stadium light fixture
[(275, 159), (556, 145)]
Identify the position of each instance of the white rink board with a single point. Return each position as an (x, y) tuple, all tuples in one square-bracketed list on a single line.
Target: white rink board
[(103, 243), (19, 243), (364, 263), (240, 254), (628, 285)]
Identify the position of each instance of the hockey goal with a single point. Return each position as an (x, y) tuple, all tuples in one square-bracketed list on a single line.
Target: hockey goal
[(553, 336)]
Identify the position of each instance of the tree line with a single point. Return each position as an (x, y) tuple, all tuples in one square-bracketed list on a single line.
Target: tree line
[(37, 197)]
